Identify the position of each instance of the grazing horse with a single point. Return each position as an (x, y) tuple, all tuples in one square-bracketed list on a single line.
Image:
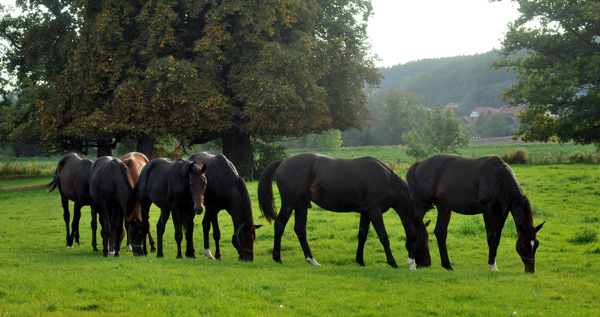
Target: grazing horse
[(364, 185), (472, 186), (72, 178), (226, 190), (110, 186), (135, 162), (176, 187)]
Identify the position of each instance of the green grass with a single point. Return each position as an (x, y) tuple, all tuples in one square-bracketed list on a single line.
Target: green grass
[(39, 276)]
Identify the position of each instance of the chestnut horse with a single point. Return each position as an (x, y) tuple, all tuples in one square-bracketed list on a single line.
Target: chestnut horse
[(226, 190), (135, 162), (72, 178), (176, 187), (364, 185), (472, 186)]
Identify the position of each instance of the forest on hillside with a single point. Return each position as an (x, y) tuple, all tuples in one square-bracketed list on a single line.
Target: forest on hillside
[(468, 81)]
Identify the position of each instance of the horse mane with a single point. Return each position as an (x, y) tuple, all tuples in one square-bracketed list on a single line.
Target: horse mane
[(508, 188), (230, 177)]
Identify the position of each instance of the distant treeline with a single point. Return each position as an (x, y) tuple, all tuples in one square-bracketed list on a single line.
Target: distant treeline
[(467, 81)]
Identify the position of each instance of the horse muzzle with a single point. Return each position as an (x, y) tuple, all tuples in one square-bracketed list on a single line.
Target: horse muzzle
[(198, 209), (529, 266)]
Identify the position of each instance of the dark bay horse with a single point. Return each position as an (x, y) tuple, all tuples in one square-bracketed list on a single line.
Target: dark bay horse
[(72, 178), (110, 186), (176, 187), (472, 186), (226, 190), (364, 185), (135, 162)]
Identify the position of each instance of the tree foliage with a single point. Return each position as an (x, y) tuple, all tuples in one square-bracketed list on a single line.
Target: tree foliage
[(198, 70), (559, 77)]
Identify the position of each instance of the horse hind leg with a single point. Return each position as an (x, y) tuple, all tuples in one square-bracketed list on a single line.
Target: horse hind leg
[(284, 215), (300, 229), (75, 224), (67, 217)]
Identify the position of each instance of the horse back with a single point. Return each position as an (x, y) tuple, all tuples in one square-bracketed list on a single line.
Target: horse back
[(135, 162), (464, 185), (337, 184), (73, 177), (110, 181)]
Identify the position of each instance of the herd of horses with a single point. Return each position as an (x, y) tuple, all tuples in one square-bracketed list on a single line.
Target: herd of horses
[(121, 191)]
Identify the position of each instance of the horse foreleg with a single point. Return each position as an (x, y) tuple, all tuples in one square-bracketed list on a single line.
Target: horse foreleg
[(206, 233), (150, 240), (67, 217), (441, 232), (216, 235), (363, 232), (160, 230), (94, 225), (280, 222), (300, 229), (377, 220), (190, 252), (178, 232), (493, 228)]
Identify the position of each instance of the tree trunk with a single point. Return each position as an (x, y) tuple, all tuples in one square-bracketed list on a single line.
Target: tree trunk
[(238, 149), (145, 145), (104, 148)]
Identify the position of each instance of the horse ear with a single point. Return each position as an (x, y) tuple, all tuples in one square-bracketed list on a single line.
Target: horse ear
[(539, 227), (427, 223), (257, 226)]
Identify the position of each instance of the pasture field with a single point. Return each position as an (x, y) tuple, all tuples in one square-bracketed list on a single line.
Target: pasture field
[(39, 276)]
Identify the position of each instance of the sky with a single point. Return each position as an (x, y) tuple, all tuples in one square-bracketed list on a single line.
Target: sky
[(408, 30)]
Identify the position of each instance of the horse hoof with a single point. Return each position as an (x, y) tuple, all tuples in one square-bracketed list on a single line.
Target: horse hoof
[(493, 267), (69, 247), (411, 264), (129, 248), (208, 254), (313, 262), (361, 263)]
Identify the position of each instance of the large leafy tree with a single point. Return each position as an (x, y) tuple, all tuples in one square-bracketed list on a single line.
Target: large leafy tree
[(201, 70), (559, 78)]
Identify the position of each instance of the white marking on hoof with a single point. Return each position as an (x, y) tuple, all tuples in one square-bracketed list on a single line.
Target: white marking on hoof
[(69, 247), (77, 243), (411, 264), (129, 248), (493, 267), (313, 262), (208, 254)]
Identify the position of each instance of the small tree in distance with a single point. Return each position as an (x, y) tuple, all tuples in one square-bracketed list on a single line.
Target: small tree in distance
[(442, 134)]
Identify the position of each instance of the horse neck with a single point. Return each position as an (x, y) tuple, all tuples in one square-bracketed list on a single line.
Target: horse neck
[(522, 213), (240, 206)]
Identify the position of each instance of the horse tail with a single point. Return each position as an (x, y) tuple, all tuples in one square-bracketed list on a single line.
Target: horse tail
[(265, 192), (416, 192), (53, 184)]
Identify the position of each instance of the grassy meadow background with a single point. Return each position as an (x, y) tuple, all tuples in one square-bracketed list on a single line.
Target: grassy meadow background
[(39, 276)]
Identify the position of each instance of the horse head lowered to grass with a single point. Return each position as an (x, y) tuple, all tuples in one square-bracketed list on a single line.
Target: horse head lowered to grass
[(472, 186), (226, 190), (175, 187)]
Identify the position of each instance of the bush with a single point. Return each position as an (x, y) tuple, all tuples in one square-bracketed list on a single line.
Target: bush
[(517, 156), (584, 157)]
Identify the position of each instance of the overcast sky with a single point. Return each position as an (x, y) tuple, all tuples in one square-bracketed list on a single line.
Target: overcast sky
[(407, 30)]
